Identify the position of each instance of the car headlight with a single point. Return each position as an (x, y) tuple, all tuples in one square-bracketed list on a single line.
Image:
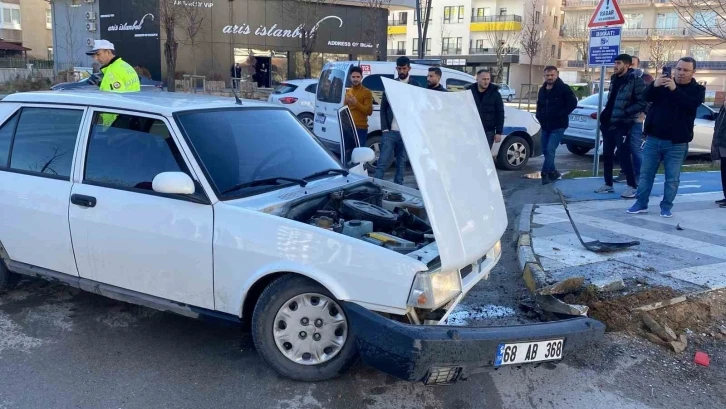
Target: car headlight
[(433, 289)]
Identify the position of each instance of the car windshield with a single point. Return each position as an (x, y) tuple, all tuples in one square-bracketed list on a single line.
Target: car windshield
[(241, 146)]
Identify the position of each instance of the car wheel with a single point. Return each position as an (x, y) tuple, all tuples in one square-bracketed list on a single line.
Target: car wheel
[(302, 331), (510, 97), (513, 153), (577, 150), (307, 119), (374, 142)]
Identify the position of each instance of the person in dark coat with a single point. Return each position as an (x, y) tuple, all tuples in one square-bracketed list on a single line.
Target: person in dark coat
[(718, 149), (555, 102), (668, 131), (434, 79), (636, 132), (626, 100), (391, 141), (490, 106)]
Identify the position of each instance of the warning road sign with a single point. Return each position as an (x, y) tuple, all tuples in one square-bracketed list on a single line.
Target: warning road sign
[(607, 13)]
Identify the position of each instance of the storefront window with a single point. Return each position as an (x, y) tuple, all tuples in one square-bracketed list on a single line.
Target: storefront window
[(266, 68)]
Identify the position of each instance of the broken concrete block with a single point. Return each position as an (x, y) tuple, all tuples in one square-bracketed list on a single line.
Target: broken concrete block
[(534, 276), (552, 304), (525, 239), (655, 339), (609, 284), (566, 286), (525, 255), (655, 328), (680, 345), (671, 334)]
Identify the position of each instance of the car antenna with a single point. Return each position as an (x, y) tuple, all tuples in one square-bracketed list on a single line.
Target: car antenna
[(236, 97)]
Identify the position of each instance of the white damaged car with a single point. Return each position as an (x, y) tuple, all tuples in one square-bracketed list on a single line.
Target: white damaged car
[(208, 207)]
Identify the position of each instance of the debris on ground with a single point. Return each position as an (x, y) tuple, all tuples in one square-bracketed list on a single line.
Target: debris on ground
[(609, 284), (551, 304), (566, 286), (702, 359), (678, 227)]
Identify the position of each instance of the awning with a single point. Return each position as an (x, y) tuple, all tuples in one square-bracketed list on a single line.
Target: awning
[(6, 46)]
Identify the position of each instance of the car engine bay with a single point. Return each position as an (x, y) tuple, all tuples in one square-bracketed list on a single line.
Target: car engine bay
[(393, 220)]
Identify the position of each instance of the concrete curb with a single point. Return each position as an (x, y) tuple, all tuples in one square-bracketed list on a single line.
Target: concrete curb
[(532, 272)]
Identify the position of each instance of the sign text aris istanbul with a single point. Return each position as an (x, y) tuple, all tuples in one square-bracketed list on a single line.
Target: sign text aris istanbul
[(274, 31)]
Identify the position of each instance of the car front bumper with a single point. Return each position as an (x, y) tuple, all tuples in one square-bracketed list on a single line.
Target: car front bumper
[(436, 354)]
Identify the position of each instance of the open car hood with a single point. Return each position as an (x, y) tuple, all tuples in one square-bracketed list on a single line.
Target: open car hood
[(454, 169)]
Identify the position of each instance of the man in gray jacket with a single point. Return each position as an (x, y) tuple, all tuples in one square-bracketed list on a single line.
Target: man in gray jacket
[(718, 150), (391, 142)]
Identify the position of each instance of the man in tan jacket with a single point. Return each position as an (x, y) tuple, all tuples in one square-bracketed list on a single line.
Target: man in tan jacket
[(359, 100)]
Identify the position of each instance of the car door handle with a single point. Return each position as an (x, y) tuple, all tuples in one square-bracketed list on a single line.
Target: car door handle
[(83, 200)]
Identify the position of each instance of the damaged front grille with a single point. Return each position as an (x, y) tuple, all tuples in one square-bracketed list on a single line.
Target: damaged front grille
[(471, 267), (442, 375)]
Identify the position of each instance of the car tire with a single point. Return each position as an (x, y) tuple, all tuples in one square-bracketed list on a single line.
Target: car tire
[(510, 97), (307, 119), (514, 153), (277, 305), (374, 142), (577, 150), (6, 278)]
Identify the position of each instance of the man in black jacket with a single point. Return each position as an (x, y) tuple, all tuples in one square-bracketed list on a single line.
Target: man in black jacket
[(626, 101), (668, 131), (555, 102), (434, 79), (490, 106), (391, 142)]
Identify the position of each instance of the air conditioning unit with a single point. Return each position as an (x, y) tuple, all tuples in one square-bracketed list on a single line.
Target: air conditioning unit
[(91, 26), (89, 42), (90, 15)]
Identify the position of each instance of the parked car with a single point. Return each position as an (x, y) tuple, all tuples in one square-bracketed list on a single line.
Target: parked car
[(94, 80), (205, 207), (299, 97), (520, 141), (507, 92), (580, 135)]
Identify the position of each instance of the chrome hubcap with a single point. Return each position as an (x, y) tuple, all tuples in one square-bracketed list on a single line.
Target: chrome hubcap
[(307, 122), (310, 329), (516, 154)]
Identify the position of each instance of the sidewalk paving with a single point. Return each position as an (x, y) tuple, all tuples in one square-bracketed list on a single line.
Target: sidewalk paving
[(688, 260)]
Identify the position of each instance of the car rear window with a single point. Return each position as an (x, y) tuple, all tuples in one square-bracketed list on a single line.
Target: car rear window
[(284, 88), (331, 86)]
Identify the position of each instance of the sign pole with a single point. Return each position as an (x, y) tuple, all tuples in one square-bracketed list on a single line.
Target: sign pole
[(596, 158)]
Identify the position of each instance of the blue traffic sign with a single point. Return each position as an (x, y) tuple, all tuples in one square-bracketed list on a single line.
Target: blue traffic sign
[(604, 46)]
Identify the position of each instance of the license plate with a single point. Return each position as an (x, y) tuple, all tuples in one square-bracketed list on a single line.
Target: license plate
[(320, 119), (528, 352), (578, 118)]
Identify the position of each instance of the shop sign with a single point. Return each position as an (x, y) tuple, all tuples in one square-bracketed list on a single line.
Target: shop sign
[(275, 31)]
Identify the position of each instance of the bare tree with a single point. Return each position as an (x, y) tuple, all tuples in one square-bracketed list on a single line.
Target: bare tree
[(532, 35), (707, 18), (423, 15), (68, 33), (192, 19), (444, 33), (372, 21), (310, 14), (501, 42), (660, 50), (575, 34)]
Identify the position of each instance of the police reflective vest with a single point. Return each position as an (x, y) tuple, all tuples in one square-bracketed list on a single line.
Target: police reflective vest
[(119, 76)]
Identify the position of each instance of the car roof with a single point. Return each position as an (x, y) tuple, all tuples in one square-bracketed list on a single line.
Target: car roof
[(413, 65), (307, 81), (163, 103)]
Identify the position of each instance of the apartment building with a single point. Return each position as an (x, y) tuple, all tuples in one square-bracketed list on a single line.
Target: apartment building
[(463, 34), (653, 31), (26, 28)]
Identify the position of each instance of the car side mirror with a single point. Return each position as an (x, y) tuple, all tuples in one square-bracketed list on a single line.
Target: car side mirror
[(362, 154), (173, 183)]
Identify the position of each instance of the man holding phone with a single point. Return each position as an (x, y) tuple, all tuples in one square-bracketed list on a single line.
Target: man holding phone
[(668, 131)]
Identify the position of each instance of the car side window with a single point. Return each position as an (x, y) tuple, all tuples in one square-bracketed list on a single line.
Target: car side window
[(374, 83), (6, 136), (311, 88), (44, 141), (453, 84), (130, 152)]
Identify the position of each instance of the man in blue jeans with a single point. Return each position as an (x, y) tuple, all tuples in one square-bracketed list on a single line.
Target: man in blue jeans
[(669, 130), (636, 132), (391, 142), (555, 102)]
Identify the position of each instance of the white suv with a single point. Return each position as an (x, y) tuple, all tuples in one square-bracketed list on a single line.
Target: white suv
[(205, 207)]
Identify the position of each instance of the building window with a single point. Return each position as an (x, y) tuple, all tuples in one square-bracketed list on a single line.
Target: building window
[(554, 25), (633, 21), (424, 5), (50, 53), (427, 48), (705, 19), (667, 20), (553, 51), (10, 16), (453, 14), (503, 11), (536, 17), (48, 19), (700, 52), (451, 46), (633, 50)]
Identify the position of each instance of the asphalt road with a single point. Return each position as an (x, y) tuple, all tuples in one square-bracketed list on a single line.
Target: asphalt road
[(61, 348)]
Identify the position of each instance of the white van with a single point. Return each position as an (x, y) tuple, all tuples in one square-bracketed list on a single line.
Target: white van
[(521, 136)]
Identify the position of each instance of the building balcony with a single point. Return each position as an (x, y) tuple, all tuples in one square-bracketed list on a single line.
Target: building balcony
[(496, 23), (393, 30), (394, 22), (656, 32), (492, 51), (396, 51), (586, 4), (451, 51)]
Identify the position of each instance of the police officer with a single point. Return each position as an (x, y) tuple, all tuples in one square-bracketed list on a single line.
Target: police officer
[(118, 75)]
